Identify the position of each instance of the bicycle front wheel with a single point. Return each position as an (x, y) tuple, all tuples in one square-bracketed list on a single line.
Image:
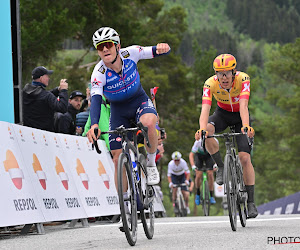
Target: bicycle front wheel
[(127, 199), (231, 192), (206, 202), (183, 211), (146, 192), (242, 195)]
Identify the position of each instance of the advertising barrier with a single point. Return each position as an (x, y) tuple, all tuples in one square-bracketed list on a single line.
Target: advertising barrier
[(50, 177), (47, 176), (286, 205)]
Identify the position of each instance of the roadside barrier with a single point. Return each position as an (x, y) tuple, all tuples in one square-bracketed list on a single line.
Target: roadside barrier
[(286, 205), (47, 177)]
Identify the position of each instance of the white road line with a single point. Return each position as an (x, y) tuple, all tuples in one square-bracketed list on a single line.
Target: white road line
[(157, 223)]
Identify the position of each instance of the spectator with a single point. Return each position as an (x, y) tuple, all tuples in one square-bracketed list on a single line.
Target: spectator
[(66, 123), (39, 105), (82, 117), (103, 121)]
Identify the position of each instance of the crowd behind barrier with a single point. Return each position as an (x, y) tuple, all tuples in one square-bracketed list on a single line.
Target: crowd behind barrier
[(46, 177)]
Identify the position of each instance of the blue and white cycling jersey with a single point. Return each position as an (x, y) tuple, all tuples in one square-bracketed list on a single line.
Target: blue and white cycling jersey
[(114, 87)]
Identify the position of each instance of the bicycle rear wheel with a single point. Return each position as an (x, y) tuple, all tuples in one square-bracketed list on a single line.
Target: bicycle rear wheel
[(206, 201), (127, 199), (242, 195), (147, 217), (230, 182)]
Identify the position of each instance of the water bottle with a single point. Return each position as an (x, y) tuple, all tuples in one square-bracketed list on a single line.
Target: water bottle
[(134, 165)]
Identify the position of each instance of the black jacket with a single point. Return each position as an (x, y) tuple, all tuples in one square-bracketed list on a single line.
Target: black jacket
[(66, 123), (39, 106)]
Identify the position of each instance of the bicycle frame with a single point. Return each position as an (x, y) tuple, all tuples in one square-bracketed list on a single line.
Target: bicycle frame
[(233, 183), (131, 165), (180, 199)]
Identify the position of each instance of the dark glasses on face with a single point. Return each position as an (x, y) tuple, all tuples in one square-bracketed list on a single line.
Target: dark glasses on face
[(108, 45), (227, 74)]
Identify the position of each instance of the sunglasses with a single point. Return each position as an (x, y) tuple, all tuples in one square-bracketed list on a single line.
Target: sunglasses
[(224, 73), (107, 44)]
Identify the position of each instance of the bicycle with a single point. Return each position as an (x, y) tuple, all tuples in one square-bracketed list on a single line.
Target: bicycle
[(234, 185), (133, 191), (180, 207)]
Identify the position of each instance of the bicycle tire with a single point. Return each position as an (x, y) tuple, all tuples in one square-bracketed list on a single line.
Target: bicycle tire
[(147, 220), (128, 211), (231, 193), (241, 203), (182, 210), (206, 201)]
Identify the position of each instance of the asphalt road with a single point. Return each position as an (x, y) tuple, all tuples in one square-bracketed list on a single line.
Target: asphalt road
[(264, 232)]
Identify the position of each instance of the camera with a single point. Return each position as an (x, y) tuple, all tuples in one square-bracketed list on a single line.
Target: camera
[(162, 133)]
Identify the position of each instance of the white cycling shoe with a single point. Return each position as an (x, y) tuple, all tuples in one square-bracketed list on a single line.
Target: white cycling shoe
[(152, 175)]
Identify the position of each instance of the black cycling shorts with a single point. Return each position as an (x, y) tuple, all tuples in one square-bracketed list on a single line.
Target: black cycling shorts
[(179, 179), (221, 119), (200, 159)]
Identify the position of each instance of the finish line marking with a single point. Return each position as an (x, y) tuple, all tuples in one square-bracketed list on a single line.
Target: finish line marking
[(157, 223)]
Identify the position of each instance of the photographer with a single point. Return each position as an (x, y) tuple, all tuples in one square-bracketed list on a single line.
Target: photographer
[(39, 104)]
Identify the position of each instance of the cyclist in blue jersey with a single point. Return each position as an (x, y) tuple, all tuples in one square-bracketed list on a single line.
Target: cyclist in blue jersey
[(117, 78)]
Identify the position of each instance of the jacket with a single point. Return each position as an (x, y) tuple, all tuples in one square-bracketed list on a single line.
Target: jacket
[(66, 123), (39, 106)]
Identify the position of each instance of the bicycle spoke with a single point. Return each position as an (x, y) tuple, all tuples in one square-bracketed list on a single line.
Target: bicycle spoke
[(231, 191), (127, 199), (146, 193)]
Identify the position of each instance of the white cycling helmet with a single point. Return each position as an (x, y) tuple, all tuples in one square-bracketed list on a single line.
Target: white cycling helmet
[(176, 155), (105, 34)]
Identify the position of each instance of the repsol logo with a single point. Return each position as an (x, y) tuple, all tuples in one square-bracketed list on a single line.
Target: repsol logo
[(112, 200), (24, 204), (92, 201), (50, 203), (72, 202)]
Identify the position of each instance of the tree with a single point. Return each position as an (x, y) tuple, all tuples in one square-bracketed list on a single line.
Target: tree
[(277, 149)]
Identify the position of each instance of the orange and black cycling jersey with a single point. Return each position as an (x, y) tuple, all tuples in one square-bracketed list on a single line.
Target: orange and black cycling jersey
[(227, 99)]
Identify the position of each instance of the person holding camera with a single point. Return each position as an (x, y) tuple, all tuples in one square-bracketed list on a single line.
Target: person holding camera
[(39, 105)]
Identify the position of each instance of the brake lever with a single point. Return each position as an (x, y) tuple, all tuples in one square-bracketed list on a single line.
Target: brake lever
[(250, 140), (144, 132), (95, 143)]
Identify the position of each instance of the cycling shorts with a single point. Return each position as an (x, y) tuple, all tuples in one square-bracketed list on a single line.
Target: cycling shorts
[(221, 119), (200, 159), (122, 113), (179, 179)]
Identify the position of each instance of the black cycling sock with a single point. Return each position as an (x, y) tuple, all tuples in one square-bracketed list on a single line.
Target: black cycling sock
[(250, 192), (218, 159), (211, 193), (198, 191)]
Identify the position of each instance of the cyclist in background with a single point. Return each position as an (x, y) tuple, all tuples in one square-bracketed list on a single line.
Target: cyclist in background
[(198, 156), (179, 173), (117, 78), (231, 89)]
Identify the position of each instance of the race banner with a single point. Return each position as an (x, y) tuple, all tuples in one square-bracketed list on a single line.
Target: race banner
[(92, 174), (19, 204), (50, 174)]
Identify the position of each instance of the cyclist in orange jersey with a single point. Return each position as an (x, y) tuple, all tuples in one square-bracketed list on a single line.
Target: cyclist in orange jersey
[(231, 89)]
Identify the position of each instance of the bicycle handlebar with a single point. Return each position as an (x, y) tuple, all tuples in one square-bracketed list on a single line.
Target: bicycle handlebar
[(226, 136), (123, 131), (179, 185)]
